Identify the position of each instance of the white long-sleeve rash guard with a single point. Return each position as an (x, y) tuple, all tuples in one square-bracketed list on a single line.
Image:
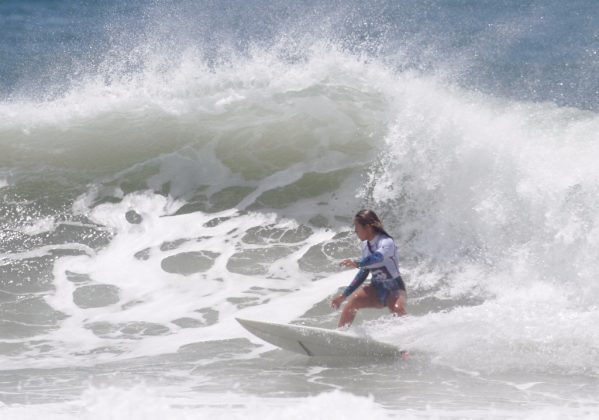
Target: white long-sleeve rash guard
[(379, 257)]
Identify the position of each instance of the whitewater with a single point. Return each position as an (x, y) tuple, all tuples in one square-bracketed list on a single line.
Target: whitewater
[(168, 167)]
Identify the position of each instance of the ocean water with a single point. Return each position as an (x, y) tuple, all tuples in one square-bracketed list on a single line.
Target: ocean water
[(168, 166)]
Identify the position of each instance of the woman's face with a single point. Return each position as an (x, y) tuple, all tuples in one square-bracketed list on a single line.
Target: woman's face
[(364, 232)]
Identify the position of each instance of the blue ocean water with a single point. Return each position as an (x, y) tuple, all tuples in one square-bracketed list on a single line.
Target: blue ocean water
[(167, 166), (533, 50)]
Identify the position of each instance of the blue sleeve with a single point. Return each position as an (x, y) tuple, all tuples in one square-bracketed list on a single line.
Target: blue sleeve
[(356, 282), (374, 258)]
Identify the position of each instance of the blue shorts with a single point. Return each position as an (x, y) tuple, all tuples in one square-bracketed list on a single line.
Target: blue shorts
[(388, 288)]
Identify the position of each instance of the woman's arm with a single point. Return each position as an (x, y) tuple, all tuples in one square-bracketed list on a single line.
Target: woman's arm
[(356, 282), (386, 249)]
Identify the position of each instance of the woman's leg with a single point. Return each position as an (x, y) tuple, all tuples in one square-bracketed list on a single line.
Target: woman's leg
[(397, 303), (365, 297)]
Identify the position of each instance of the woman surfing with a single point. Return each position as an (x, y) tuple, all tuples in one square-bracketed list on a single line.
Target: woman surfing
[(379, 258)]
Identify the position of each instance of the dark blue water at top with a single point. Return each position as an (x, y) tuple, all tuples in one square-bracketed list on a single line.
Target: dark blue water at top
[(531, 50)]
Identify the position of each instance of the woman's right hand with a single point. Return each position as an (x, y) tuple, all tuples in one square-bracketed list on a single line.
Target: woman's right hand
[(349, 263)]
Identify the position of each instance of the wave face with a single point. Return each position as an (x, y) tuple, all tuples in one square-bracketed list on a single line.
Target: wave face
[(166, 167)]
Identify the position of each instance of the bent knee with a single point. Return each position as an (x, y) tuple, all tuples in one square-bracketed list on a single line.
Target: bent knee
[(398, 307), (400, 310)]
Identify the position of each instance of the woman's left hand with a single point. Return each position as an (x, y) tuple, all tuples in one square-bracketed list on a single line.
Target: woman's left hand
[(336, 302)]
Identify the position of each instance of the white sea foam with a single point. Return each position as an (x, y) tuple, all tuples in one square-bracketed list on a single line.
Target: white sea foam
[(145, 403), (36, 227)]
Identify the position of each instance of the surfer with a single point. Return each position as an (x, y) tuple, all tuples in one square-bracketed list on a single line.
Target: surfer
[(379, 258)]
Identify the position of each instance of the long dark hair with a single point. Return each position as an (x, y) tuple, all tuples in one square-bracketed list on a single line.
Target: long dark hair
[(367, 217)]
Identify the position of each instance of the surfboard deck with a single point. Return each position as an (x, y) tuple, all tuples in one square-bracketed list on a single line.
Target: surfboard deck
[(318, 342)]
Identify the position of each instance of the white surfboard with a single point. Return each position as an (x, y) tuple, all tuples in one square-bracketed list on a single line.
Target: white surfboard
[(318, 342)]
